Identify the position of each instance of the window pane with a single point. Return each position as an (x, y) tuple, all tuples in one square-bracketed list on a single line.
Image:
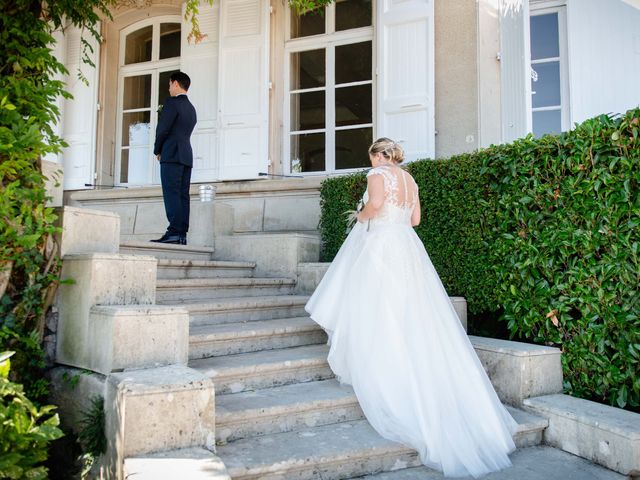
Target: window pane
[(547, 122), (138, 46), (137, 92), (545, 41), (353, 62), (311, 23), (546, 90), (307, 110), (136, 128), (134, 165), (351, 147), (169, 40), (352, 14), (307, 69), (353, 105), (163, 86), (307, 153)]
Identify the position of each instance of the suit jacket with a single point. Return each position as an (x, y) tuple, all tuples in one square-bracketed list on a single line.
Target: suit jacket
[(177, 121)]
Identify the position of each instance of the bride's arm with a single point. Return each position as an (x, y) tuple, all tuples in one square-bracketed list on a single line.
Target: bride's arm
[(415, 215), (375, 186)]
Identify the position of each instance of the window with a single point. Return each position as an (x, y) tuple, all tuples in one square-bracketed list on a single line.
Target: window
[(149, 54), (549, 83), (329, 82)]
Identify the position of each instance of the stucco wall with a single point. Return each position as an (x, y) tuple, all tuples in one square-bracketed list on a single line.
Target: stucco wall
[(456, 77)]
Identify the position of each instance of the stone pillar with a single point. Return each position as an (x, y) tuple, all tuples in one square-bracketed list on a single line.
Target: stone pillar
[(97, 279)]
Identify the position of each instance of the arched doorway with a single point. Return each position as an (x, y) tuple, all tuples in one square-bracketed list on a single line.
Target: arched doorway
[(149, 54)]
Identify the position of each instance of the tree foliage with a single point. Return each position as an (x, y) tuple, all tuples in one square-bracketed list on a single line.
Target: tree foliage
[(29, 88)]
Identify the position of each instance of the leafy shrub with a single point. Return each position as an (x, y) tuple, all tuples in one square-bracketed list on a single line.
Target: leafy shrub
[(544, 231), (456, 222), (337, 195), (25, 430), (566, 257), (92, 433)]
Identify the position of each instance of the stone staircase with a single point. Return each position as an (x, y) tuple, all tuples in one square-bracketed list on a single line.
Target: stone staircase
[(189, 350), (279, 411)]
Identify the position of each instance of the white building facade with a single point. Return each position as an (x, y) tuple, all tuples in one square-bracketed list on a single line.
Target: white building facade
[(281, 94)]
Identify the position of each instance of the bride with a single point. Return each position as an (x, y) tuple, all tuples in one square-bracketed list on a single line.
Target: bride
[(396, 338)]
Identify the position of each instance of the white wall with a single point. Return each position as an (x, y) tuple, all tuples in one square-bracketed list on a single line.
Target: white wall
[(604, 57)]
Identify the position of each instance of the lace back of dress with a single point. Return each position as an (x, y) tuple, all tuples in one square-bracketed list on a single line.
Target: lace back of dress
[(401, 194)]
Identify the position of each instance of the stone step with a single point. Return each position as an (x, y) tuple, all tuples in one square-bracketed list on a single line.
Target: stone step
[(604, 434), (166, 250), (252, 336), (192, 463), (284, 409), (269, 368), (232, 310), (176, 268), (295, 406), (530, 428), (202, 289), (534, 463), (336, 451)]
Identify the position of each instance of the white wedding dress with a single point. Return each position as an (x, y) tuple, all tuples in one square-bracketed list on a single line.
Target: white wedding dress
[(395, 337)]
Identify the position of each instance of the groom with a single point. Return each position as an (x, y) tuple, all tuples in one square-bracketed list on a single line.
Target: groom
[(172, 148)]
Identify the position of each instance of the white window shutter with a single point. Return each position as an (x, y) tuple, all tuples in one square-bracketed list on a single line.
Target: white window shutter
[(80, 112), (200, 62), (515, 66), (405, 75), (243, 88)]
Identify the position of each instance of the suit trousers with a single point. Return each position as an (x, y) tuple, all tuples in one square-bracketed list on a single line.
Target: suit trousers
[(176, 178)]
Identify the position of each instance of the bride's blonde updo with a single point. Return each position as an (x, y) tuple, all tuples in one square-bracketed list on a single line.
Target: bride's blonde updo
[(388, 148)]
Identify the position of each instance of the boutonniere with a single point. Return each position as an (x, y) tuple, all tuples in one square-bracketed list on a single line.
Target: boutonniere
[(159, 110)]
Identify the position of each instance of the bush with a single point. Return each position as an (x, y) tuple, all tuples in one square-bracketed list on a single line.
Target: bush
[(566, 258), (25, 430), (544, 231), (456, 205)]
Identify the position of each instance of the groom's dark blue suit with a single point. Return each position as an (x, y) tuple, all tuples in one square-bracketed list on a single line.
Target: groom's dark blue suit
[(173, 144)]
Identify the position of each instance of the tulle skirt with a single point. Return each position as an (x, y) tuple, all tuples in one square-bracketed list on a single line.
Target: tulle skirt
[(395, 337)]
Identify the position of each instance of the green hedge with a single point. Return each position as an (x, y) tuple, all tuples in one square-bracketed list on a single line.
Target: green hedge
[(566, 258), (454, 202), (545, 232)]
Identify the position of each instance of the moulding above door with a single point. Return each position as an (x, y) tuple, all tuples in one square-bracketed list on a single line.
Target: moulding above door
[(136, 3)]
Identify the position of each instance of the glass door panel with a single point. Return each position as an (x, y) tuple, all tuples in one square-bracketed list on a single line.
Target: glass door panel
[(163, 86), (162, 93), (135, 150)]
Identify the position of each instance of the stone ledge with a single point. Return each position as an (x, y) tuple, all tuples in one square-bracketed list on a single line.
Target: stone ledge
[(155, 410), (519, 370), (222, 188), (87, 231), (603, 434), (99, 279), (275, 254), (137, 336), (188, 463), (76, 257), (508, 347)]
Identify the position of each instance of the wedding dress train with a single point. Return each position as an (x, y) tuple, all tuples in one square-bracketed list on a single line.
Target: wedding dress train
[(395, 337)]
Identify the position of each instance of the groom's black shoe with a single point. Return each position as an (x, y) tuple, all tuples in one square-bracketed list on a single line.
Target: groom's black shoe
[(183, 239), (170, 238)]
